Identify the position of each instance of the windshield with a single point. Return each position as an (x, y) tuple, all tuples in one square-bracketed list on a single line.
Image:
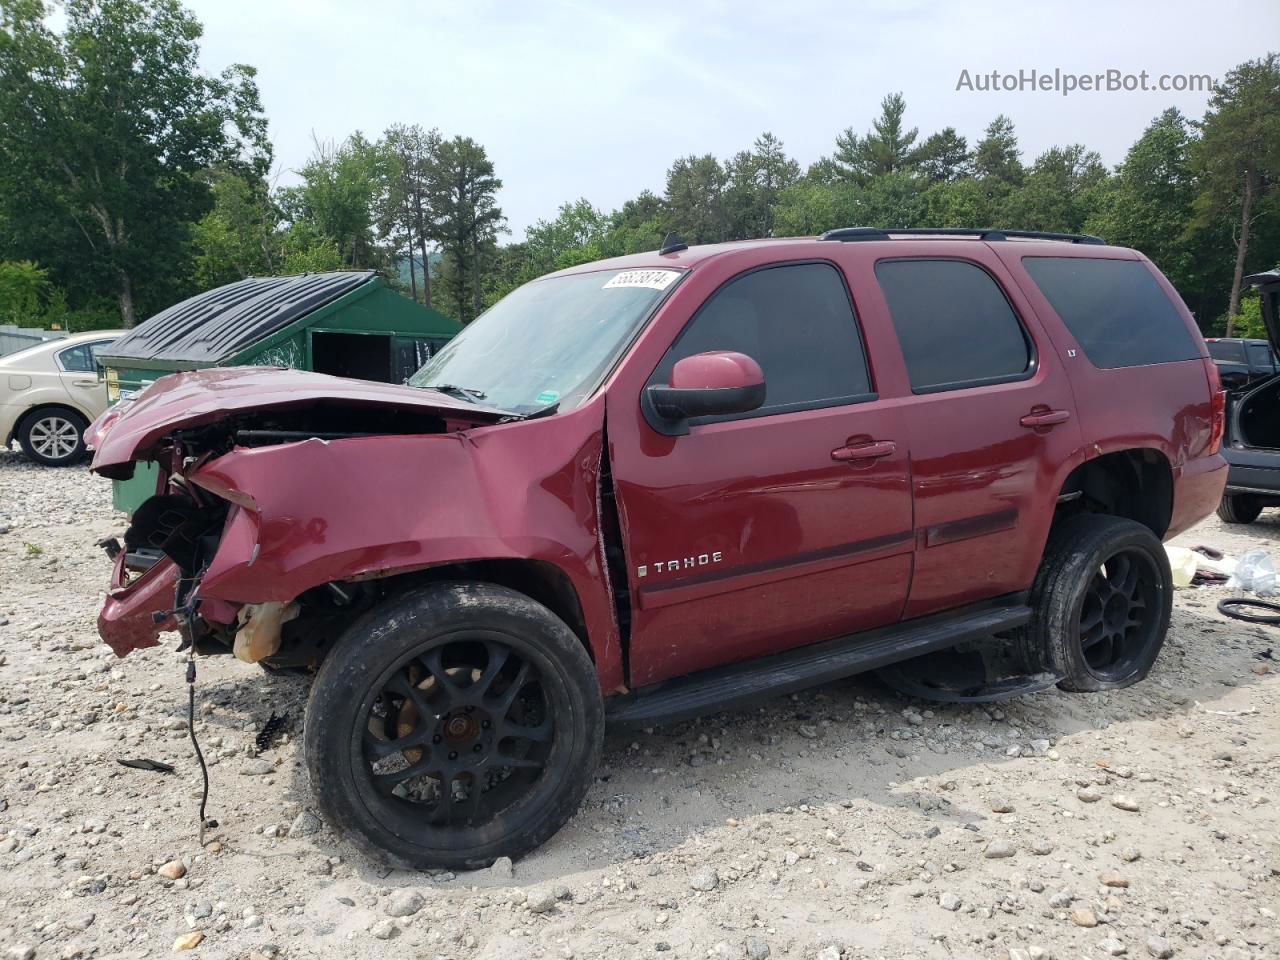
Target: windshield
[(547, 343)]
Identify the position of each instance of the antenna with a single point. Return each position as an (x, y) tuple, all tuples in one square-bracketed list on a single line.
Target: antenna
[(673, 244)]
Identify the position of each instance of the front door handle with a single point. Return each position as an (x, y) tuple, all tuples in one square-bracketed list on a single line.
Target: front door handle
[(1045, 418), (864, 451), (85, 383)]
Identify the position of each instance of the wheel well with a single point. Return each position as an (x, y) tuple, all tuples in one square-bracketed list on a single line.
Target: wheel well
[(536, 579), (18, 424), (1136, 483)]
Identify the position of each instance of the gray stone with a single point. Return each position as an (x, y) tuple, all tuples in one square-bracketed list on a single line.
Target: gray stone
[(949, 901), (1113, 947), (384, 929), (305, 824), (999, 849), (757, 949), (1159, 947), (404, 903), (540, 901), (705, 879), (503, 869), (1124, 802), (257, 768)]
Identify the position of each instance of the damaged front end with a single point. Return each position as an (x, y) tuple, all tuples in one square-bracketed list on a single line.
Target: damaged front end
[(197, 545)]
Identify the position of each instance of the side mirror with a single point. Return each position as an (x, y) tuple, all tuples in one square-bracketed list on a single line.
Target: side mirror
[(713, 384)]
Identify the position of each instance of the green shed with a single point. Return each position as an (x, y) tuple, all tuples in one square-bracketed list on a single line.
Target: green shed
[(349, 324)]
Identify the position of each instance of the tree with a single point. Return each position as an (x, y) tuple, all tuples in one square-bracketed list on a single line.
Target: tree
[(1238, 155), (944, 156), (107, 127), (1058, 192), (237, 238), (576, 235), (23, 287), (342, 189), (414, 152), (995, 158), (754, 180), (886, 148), (695, 199), (462, 195)]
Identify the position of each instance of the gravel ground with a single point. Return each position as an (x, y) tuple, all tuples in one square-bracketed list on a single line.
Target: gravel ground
[(844, 822)]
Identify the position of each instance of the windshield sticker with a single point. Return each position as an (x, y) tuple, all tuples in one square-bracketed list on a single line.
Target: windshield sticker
[(653, 279), (548, 396)]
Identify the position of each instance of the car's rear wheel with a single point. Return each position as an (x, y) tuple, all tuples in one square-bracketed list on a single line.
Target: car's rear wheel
[(52, 436), (1102, 600), (453, 725), (1239, 508)]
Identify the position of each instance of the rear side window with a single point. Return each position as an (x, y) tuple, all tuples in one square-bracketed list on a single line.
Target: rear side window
[(796, 321), (954, 324), (1260, 356), (82, 358), (1115, 309), (1232, 350)]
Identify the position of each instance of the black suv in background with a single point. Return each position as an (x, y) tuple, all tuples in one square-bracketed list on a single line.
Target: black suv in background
[(1241, 361), (1252, 442)]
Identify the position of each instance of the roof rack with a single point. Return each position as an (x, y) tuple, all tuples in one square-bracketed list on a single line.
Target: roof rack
[(847, 234)]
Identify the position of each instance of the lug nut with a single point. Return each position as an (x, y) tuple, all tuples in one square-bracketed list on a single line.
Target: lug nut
[(436, 738), (477, 748), (453, 755)]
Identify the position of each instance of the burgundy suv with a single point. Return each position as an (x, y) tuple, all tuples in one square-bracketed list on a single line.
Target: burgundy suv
[(648, 488)]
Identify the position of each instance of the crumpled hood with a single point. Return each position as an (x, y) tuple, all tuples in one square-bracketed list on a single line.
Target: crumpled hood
[(131, 432)]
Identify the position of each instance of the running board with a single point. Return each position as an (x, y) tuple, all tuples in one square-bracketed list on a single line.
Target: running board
[(749, 682)]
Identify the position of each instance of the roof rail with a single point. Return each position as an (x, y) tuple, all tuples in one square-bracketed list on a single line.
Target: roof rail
[(847, 234)]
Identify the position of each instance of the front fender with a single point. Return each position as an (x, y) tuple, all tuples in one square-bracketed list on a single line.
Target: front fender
[(321, 510)]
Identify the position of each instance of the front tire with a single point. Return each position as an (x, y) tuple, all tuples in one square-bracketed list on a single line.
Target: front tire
[(1239, 508), (1101, 603), (452, 725), (52, 436)]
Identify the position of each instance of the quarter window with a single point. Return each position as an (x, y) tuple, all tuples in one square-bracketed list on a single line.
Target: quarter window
[(1115, 309), (954, 324), (796, 321)]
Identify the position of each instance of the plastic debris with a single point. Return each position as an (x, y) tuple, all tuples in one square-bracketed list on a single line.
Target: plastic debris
[(1255, 573), (1183, 564)]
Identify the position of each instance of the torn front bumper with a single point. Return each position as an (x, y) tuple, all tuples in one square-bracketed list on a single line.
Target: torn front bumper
[(128, 618)]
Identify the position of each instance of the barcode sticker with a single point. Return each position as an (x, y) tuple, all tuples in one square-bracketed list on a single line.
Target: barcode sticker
[(653, 279)]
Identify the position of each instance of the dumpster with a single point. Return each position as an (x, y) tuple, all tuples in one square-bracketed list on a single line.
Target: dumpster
[(349, 324)]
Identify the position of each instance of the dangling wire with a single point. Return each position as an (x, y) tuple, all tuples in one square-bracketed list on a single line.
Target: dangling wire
[(191, 729)]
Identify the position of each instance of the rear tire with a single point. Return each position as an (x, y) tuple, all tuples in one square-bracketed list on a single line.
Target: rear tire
[(1101, 603), (52, 436), (1239, 508), (452, 725)]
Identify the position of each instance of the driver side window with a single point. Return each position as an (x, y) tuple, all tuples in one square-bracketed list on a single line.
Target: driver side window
[(796, 321)]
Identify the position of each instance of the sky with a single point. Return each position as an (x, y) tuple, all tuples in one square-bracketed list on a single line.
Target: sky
[(595, 99)]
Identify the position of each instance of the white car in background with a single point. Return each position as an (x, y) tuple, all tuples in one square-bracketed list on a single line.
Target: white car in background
[(49, 393)]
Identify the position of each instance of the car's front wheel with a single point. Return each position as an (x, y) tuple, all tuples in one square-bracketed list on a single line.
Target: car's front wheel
[(452, 725), (1101, 603), (52, 436)]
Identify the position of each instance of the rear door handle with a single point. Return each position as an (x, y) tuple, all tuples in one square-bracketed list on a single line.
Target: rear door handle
[(864, 451), (1046, 418)]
